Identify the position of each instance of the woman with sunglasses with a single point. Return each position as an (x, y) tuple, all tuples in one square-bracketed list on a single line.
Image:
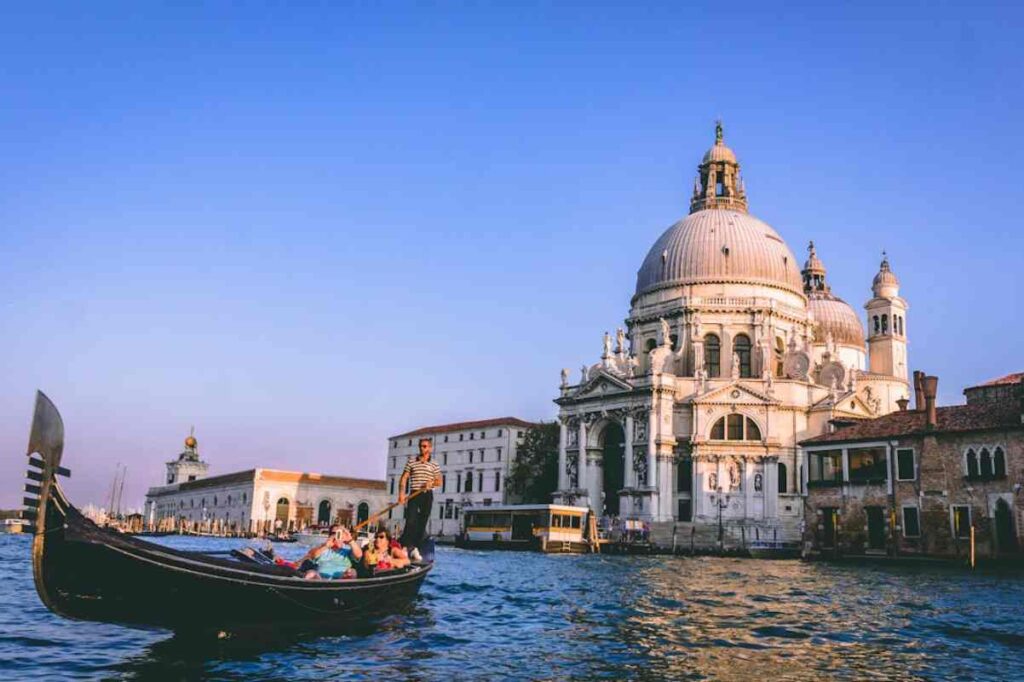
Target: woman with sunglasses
[(380, 555)]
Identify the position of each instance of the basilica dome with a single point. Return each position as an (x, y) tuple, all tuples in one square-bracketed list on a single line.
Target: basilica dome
[(833, 315), (719, 242), (719, 245)]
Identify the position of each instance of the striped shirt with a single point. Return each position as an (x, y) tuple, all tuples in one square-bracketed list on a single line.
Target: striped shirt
[(421, 473)]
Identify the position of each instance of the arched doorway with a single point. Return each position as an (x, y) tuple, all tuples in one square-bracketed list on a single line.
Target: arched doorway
[(323, 513), (1005, 537), (613, 452), (283, 512), (363, 512)]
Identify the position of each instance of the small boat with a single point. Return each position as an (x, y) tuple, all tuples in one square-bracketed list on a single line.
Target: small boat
[(86, 572), (773, 549)]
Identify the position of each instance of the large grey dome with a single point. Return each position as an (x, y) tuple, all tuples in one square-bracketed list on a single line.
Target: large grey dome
[(719, 245)]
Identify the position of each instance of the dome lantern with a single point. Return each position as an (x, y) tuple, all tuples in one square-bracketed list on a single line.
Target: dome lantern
[(885, 284), (718, 183), (814, 272)]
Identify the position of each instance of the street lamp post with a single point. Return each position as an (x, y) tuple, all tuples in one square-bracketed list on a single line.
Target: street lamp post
[(722, 502)]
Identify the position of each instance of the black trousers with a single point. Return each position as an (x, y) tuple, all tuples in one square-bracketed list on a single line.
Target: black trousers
[(417, 513)]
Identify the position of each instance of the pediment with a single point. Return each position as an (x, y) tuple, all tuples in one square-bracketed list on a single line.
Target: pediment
[(736, 393), (848, 404), (603, 384)]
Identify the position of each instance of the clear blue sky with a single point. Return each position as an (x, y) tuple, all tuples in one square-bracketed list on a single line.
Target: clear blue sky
[(303, 230)]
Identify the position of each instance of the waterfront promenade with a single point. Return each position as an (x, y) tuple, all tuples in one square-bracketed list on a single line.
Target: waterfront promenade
[(493, 615)]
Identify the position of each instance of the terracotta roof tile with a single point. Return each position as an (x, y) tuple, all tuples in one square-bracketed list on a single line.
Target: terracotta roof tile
[(954, 418), (466, 426), (1015, 378)]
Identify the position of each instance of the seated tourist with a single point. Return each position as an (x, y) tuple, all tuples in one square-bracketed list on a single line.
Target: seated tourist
[(334, 559), (381, 555)]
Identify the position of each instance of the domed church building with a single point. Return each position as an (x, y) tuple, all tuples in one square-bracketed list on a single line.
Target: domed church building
[(731, 354)]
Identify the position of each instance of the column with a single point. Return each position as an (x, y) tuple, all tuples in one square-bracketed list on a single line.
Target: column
[(563, 435), (630, 475), (749, 467), (697, 492), (771, 487), (594, 476), (581, 456), (652, 448)]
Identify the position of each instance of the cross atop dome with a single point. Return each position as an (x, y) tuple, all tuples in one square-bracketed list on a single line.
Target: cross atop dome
[(718, 183)]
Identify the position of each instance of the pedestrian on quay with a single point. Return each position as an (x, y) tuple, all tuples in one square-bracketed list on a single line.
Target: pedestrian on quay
[(424, 475)]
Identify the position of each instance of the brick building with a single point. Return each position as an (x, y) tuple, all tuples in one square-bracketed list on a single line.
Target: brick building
[(914, 482)]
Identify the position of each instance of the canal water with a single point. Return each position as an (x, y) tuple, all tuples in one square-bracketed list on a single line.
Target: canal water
[(487, 615)]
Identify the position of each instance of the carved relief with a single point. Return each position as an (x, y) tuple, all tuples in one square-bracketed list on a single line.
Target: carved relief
[(758, 483)]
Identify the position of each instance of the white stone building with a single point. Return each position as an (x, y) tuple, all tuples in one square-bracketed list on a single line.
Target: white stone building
[(731, 355), (475, 459), (256, 500)]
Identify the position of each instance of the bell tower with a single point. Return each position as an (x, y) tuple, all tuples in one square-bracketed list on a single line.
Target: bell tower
[(718, 183), (887, 334)]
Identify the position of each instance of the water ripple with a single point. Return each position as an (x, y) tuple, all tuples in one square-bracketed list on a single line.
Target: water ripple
[(527, 616)]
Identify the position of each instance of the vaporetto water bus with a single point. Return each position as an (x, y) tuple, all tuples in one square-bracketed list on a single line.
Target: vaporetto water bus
[(539, 527)]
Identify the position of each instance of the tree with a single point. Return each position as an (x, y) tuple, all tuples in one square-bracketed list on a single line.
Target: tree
[(534, 475)]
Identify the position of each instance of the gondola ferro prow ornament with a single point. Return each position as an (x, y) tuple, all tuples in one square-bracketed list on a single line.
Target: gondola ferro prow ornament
[(47, 440)]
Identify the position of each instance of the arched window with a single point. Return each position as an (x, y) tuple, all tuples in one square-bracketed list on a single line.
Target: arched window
[(735, 427), (675, 342), (323, 512), (986, 463), (650, 345), (783, 483), (741, 346), (999, 460), (876, 324), (972, 464), (362, 512), (885, 324), (780, 352), (712, 355)]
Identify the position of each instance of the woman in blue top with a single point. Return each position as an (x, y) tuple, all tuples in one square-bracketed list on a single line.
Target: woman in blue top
[(336, 558)]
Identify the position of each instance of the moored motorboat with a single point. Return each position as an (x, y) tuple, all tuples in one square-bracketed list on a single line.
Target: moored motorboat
[(86, 572)]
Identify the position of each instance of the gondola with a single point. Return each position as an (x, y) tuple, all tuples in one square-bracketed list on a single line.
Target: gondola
[(86, 572)]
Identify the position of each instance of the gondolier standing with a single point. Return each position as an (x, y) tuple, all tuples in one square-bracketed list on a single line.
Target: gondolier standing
[(421, 474)]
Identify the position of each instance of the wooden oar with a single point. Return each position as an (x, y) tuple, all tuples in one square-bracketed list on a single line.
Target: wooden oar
[(388, 508)]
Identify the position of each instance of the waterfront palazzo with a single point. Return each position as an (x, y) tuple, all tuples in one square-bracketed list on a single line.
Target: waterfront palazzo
[(731, 355)]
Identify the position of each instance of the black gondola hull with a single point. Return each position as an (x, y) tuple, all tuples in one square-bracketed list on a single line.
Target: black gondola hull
[(86, 572)]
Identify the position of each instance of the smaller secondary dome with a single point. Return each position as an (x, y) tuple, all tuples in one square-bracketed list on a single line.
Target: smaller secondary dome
[(885, 284), (832, 315), (719, 152)]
